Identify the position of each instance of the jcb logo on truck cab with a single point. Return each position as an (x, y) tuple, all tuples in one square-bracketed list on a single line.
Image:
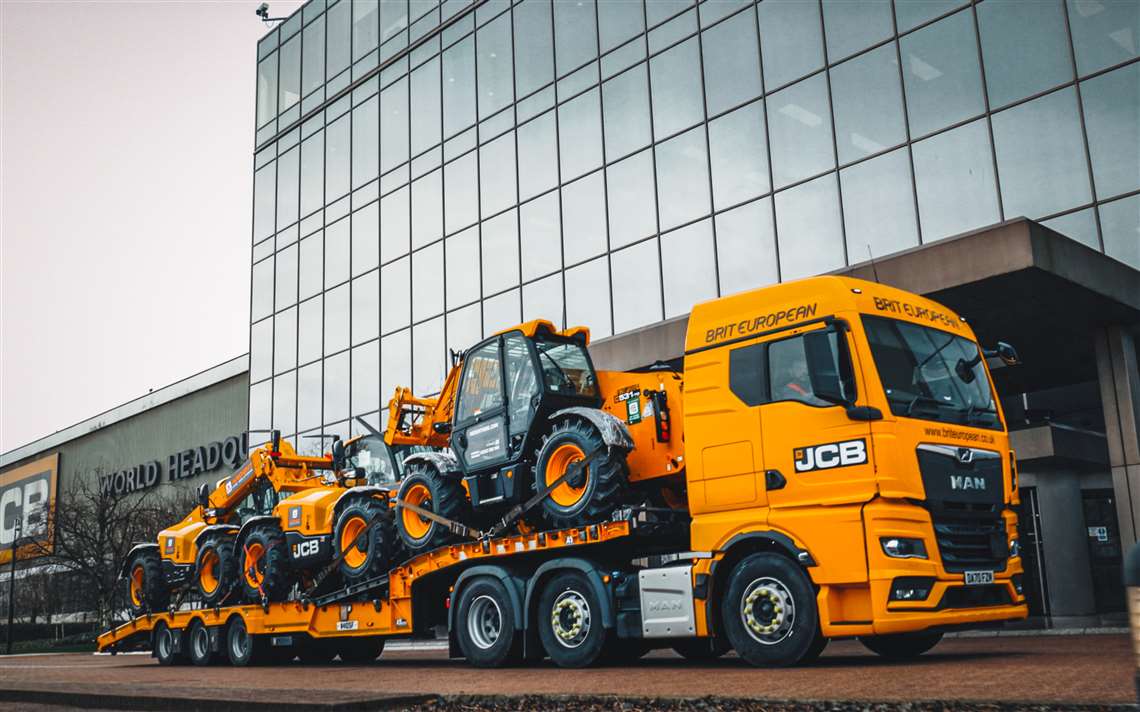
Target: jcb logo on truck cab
[(830, 455)]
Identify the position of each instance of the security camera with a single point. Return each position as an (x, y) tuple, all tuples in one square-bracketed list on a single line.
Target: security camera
[(263, 11)]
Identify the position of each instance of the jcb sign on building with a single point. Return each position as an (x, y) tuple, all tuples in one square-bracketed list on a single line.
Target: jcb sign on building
[(27, 497)]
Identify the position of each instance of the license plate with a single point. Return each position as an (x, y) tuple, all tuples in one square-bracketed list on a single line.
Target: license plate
[(977, 578)]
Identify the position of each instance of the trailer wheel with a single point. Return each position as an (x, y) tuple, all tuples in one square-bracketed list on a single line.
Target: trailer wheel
[(591, 495), (569, 621), (242, 648), (701, 649), (147, 591), (198, 644), (485, 624), (358, 651), (769, 611), (215, 569), (377, 553), (427, 489), (164, 646), (901, 646), (266, 571)]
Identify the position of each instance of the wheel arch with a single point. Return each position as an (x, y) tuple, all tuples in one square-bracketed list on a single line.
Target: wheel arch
[(252, 522), (514, 583), (214, 528), (614, 432), (124, 570), (737, 549), (353, 494), (548, 570), (443, 461)]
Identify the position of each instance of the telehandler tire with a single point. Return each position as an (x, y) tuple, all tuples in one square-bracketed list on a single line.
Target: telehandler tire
[(377, 553), (147, 591), (425, 487), (595, 492), (215, 571), (266, 567), (769, 612), (901, 646)]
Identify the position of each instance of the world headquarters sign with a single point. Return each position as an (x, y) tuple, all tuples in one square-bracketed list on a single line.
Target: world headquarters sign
[(27, 503)]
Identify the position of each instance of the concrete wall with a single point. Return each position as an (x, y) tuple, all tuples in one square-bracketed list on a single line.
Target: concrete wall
[(1064, 539)]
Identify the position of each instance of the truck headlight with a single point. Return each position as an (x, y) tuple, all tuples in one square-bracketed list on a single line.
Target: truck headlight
[(901, 548), (1014, 548)]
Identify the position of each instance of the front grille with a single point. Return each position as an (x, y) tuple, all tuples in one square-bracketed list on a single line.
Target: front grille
[(970, 537), (974, 597)]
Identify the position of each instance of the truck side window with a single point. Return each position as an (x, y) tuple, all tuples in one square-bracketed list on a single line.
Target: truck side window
[(482, 388), (521, 381), (788, 372), (748, 373)]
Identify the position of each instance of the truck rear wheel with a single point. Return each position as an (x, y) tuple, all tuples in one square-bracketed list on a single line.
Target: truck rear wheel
[(426, 488), (901, 646), (375, 554), (570, 621), (243, 648), (768, 611), (215, 570), (164, 646), (589, 496), (485, 624), (198, 644), (147, 591), (266, 570)]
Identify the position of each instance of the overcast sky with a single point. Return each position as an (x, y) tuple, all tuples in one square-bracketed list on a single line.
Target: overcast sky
[(126, 135)]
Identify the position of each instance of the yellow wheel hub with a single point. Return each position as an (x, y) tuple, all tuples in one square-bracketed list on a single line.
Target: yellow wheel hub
[(354, 556), (417, 527), (559, 462), (252, 566), (208, 572), (137, 585)]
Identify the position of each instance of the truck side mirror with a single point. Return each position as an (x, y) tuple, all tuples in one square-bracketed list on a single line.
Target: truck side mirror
[(442, 428), (1007, 354), (824, 368), (204, 496)]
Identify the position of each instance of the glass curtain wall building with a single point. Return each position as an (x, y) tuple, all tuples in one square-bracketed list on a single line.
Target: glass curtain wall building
[(427, 173)]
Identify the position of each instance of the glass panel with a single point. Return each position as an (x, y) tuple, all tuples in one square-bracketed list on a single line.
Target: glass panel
[(261, 350), (682, 178), (427, 209), (461, 193), (365, 32), (636, 285), (311, 321), (339, 37), (1041, 157), (1112, 113), (661, 10), (482, 388), (285, 402), (746, 241), (459, 86), (790, 40), (590, 285), (522, 383), (534, 58), (267, 89), (393, 18), (427, 282), (394, 125), (788, 372), (462, 272), (955, 179), (1120, 225), (538, 156), (1081, 226), (429, 357), (500, 252), (632, 203), (713, 10), (286, 281), (395, 225), (580, 134), (311, 265), (497, 174), (288, 186), (366, 378), (943, 82), (672, 31), (365, 149), (501, 312), (464, 328), (619, 21), (852, 26), (584, 213), (309, 393), (912, 13), (395, 307), (337, 142), (540, 237), (625, 101), (808, 225), (732, 63), (285, 340), (336, 253), (366, 238), (868, 104), (260, 400), (676, 84), (1105, 32), (264, 201), (313, 67), (799, 126), (336, 388), (575, 35), (543, 300), (395, 362), (312, 174), (290, 87), (425, 114), (878, 206), (336, 319), (1014, 70), (496, 81), (366, 307), (739, 156), (688, 263)]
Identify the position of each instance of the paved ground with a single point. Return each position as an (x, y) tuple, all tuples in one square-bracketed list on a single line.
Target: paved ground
[(1072, 670)]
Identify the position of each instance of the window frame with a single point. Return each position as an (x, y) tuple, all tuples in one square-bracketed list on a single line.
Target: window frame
[(846, 365)]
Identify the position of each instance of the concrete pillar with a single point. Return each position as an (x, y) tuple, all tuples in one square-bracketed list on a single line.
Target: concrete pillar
[(1066, 563), (1119, 377)]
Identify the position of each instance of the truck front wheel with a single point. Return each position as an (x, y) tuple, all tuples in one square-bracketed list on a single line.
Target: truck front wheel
[(901, 646), (769, 611)]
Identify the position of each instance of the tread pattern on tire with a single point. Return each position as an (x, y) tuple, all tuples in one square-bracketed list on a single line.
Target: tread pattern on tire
[(227, 568), (447, 500), (155, 593), (277, 567), (609, 476), (382, 539)]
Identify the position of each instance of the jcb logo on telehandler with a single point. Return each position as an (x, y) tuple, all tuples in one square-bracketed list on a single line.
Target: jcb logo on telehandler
[(305, 548), (830, 455)]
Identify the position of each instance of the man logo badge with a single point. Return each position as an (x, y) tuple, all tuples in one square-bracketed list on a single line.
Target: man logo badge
[(830, 455), (965, 455), (964, 482)]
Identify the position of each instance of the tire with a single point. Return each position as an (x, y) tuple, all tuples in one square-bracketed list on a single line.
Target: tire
[(360, 651), (197, 644), (426, 488), (147, 590), (568, 601), (485, 624), (266, 569), (242, 648), (605, 484), (377, 555), (215, 571), (317, 651), (769, 612), (701, 649), (164, 646), (818, 643), (901, 646)]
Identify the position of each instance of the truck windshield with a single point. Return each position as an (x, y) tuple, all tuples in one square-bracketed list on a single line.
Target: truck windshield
[(373, 455), (931, 374), (566, 369)]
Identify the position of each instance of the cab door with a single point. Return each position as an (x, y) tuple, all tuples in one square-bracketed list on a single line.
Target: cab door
[(479, 434)]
